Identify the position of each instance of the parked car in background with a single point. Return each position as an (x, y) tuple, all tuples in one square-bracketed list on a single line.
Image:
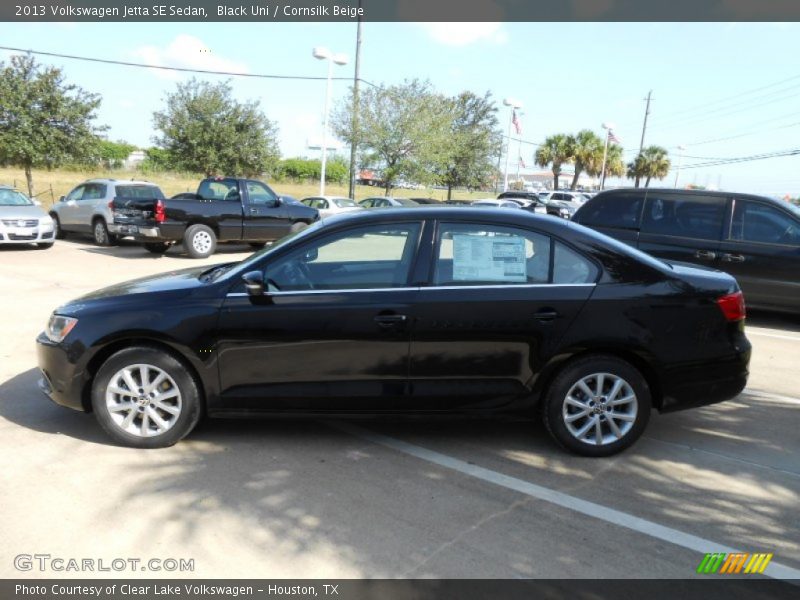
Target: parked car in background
[(420, 311), (494, 202), (755, 239), (564, 204), (22, 220), (331, 205), (387, 202), (289, 199), (427, 201), (530, 201), (224, 209), (87, 208)]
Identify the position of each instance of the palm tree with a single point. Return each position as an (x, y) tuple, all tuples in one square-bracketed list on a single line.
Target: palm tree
[(556, 150), (651, 162), (587, 153)]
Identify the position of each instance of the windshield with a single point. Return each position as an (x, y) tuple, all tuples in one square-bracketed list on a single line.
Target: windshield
[(13, 198), (344, 202)]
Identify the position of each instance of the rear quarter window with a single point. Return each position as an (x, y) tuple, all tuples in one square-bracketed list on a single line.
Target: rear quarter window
[(696, 217), (619, 212)]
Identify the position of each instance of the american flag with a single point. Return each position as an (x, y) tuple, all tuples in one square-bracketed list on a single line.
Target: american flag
[(515, 122), (612, 138), (522, 163)]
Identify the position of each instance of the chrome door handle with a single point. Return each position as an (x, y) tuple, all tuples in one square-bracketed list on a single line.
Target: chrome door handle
[(732, 258), (705, 254)]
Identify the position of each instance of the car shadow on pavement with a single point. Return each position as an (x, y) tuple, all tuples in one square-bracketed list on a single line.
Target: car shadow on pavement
[(770, 320), (22, 403), (134, 251)]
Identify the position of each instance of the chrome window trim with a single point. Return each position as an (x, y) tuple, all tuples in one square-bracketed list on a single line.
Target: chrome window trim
[(433, 287)]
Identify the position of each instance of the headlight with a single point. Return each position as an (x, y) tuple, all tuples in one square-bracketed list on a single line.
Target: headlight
[(58, 327), (46, 220)]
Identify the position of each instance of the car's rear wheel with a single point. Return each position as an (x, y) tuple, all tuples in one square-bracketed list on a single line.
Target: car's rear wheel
[(597, 406), (200, 241), (59, 233), (145, 398), (101, 235), (157, 247)]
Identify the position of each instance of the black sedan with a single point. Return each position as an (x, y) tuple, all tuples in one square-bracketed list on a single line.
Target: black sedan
[(420, 311)]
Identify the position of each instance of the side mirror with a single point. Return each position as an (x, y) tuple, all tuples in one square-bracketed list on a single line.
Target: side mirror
[(254, 283), (61, 199), (273, 203)]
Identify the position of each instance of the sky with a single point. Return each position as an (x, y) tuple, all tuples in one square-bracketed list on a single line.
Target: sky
[(720, 90)]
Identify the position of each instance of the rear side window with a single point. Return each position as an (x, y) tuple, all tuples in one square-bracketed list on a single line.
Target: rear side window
[(697, 217), (94, 191), (139, 191), (614, 211)]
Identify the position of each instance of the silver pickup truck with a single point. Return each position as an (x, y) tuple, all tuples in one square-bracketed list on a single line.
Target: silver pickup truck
[(87, 208)]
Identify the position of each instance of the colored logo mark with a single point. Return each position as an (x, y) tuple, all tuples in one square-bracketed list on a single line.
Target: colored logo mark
[(722, 563)]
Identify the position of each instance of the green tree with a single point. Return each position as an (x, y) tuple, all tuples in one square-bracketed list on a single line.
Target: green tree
[(402, 127), (206, 130), (113, 154), (651, 162), (556, 150), (44, 121), (472, 144), (587, 153)]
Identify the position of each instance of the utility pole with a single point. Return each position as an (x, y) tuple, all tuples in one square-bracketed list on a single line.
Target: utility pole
[(354, 143), (644, 125)]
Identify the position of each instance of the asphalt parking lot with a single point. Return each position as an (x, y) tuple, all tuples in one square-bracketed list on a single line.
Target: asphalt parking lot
[(323, 499)]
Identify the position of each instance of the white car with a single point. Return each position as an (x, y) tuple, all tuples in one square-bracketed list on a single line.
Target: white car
[(22, 221), (331, 205), (497, 203)]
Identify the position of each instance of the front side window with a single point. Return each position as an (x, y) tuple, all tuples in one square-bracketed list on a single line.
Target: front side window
[(696, 217), (374, 256), (258, 193), (756, 222)]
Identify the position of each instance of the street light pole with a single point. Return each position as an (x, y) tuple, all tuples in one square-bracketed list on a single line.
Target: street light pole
[(678, 171), (513, 104), (340, 59), (608, 127)]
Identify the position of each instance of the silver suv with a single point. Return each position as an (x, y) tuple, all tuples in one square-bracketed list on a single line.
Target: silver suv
[(86, 209)]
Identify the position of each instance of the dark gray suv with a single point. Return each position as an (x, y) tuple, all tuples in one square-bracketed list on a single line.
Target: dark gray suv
[(755, 239)]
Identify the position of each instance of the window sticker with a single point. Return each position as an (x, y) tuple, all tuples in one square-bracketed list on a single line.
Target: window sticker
[(489, 258)]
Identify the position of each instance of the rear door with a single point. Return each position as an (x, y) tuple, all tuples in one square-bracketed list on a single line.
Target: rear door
[(683, 227), (93, 194), (616, 214), (762, 250), (499, 301), (265, 216)]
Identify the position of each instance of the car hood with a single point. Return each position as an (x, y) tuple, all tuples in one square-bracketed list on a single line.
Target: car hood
[(171, 282), (21, 212)]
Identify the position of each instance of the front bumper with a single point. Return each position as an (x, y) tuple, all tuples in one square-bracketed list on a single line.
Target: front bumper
[(61, 380), (40, 234)]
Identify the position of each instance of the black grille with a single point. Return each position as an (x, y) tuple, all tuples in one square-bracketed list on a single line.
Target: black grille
[(47, 235), (19, 238)]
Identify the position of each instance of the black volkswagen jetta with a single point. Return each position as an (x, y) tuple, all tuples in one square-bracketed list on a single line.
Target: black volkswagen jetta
[(417, 311)]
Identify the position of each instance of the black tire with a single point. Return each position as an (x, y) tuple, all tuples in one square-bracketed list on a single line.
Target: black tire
[(179, 425), (44, 245), (199, 241), (157, 247), (557, 408), (100, 233), (257, 245), (59, 233)]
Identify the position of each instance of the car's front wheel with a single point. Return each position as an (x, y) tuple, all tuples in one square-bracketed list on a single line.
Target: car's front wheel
[(59, 233), (145, 398), (597, 405)]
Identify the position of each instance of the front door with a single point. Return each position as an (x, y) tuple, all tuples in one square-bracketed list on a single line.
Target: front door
[(68, 209), (763, 252), (265, 217), (500, 300), (333, 331)]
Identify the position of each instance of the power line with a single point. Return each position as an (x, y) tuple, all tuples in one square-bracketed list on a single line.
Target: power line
[(741, 159), (180, 69)]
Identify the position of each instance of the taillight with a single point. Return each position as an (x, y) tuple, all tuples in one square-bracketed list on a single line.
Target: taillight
[(732, 306), (160, 215)]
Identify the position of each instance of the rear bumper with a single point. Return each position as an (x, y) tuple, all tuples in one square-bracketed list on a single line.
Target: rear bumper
[(60, 380), (707, 383), (148, 234)]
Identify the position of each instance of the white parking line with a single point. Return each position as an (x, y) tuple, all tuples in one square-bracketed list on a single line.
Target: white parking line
[(598, 511), (773, 335)]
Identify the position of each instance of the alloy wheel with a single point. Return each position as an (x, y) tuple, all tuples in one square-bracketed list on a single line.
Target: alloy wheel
[(600, 409), (143, 400)]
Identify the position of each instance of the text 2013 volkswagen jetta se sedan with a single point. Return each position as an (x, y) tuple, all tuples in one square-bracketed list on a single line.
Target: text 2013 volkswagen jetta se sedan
[(414, 311)]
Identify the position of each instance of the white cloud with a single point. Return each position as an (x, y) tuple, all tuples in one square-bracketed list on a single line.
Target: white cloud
[(187, 52), (464, 34)]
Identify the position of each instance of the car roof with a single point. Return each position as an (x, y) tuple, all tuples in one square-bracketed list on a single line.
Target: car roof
[(717, 193), (117, 181)]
